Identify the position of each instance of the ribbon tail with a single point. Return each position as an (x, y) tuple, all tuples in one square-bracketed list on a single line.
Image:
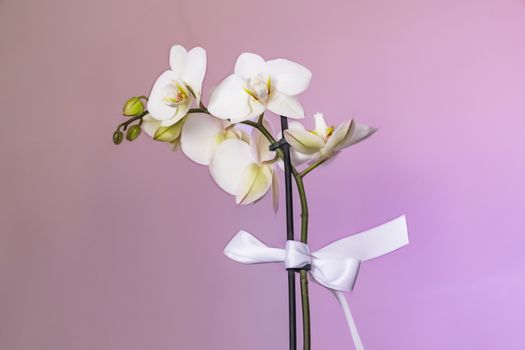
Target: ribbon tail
[(349, 319)]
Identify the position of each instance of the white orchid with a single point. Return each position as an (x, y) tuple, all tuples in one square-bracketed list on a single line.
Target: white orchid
[(257, 85), (246, 170), (202, 134), (173, 92), (198, 134), (324, 141)]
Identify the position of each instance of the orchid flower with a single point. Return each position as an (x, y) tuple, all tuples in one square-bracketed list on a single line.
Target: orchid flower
[(324, 141), (202, 134), (257, 85), (173, 92), (198, 134), (246, 170)]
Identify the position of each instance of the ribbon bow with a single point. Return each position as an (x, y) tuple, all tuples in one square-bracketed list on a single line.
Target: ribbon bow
[(335, 266)]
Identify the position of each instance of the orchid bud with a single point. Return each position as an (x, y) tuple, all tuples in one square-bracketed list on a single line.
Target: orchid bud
[(168, 133), (118, 136), (133, 132), (133, 107)]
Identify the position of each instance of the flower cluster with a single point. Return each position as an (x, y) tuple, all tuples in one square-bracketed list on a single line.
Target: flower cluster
[(219, 135)]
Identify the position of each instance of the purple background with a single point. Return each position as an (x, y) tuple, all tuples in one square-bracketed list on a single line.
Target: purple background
[(108, 248)]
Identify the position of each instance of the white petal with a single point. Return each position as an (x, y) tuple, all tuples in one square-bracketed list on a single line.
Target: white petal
[(347, 134), (256, 109), (150, 125), (156, 106), (250, 65), (288, 77), (195, 69), (228, 164), (260, 146), (180, 112), (285, 105), (299, 158), (303, 141), (296, 157), (294, 124), (199, 138), (320, 125), (358, 132), (255, 182), (178, 60), (229, 100), (338, 137), (236, 133)]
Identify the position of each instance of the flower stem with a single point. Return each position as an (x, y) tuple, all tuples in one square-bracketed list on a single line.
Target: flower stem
[(125, 124), (305, 298), (312, 167), (261, 128)]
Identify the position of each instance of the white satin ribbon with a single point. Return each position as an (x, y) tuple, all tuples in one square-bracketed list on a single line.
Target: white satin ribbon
[(335, 266)]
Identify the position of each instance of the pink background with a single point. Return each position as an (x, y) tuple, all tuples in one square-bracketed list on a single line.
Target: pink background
[(105, 247)]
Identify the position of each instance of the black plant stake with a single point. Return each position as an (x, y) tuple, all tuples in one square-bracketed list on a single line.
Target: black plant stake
[(285, 147)]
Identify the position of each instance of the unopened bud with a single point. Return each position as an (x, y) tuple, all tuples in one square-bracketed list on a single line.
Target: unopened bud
[(133, 107), (118, 136), (168, 133), (133, 132)]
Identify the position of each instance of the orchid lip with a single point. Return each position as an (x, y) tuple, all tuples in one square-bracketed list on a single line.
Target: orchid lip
[(258, 88), (175, 94)]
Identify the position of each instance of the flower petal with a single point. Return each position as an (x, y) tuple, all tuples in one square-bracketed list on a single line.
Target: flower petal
[(256, 109), (229, 100), (347, 134), (288, 77), (178, 60), (250, 65), (285, 105), (255, 182), (303, 141), (228, 164), (299, 158), (358, 132), (321, 128), (150, 125), (201, 137), (156, 106), (260, 146), (195, 69), (180, 112), (334, 142)]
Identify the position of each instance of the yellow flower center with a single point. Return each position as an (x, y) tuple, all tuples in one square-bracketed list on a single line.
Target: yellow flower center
[(175, 94), (329, 131)]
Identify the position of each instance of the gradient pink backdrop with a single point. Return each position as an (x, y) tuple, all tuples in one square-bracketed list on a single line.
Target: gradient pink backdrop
[(107, 248)]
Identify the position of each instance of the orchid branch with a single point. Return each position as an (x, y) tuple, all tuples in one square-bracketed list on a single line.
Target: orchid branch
[(312, 167), (125, 124)]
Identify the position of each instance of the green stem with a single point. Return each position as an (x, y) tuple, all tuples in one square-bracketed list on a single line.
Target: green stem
[(305, 298), (261, 128), (312, 167), (125, 124)]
